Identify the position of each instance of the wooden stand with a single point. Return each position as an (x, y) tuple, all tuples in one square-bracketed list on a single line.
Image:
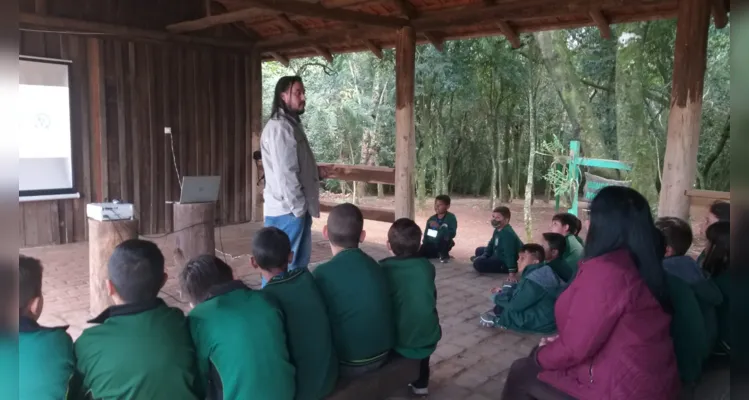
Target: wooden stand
[(193, 229), (103, 237)]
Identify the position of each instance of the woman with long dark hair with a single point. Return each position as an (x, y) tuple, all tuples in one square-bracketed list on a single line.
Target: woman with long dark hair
[(715, 264), (613, 320)]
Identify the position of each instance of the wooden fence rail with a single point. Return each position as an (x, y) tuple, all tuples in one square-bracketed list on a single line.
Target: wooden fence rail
[(706, 197)]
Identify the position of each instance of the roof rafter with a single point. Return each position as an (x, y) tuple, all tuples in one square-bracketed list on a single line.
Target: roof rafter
[(510, 34), (603, 24), (720, 14)]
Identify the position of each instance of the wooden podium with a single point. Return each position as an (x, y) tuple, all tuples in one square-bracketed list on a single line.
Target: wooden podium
[(103, 237), (194, 229)]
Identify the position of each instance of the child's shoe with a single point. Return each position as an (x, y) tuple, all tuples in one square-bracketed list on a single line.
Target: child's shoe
[(417, 391), (487, 319)]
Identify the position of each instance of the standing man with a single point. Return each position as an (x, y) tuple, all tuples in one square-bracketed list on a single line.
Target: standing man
[(292, 177)]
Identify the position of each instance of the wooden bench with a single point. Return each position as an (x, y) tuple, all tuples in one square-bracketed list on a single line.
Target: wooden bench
[(380, 384)]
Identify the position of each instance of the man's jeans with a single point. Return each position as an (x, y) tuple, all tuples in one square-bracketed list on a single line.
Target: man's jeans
[(299, 231)]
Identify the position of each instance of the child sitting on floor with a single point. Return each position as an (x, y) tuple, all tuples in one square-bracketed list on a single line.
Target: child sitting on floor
[(694, 299), (529, 305), (355, 290), (501, 253), (569, 225), (140, 347), (307, 322), (554, 247), (414, 297), (238, 333), (46, 362), (440, 231)]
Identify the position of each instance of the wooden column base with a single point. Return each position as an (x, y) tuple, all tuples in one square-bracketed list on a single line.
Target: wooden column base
[(194, 230), (103, 237)]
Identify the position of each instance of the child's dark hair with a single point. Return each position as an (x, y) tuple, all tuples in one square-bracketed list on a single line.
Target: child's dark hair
[(535, 250), (504, 211), (718, 251), (271, 248), (201, 274), (677, 233), (345, 225), (404, 237), (29, 280), (556, 242), (443, 198), (721, 210), (136, 269), (574, 225)]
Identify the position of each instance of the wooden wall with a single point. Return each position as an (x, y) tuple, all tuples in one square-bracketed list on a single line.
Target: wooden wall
[(123, 94)]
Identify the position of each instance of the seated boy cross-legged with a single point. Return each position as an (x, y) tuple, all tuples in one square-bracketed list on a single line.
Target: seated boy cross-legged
[(414, 296), (238, 333), (354, 288), (440, 231), (141, 348), (554, 246), (529, 306), (501, 253), (695, 299), (307, 322), (46, 362)]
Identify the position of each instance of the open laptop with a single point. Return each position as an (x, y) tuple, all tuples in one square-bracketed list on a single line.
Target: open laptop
[(199, 189)]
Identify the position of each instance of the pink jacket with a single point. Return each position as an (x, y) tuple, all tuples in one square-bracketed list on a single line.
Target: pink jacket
[(614, 341)]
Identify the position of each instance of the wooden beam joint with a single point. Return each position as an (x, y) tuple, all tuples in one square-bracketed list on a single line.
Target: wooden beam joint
[(510, 34), (280, 58), (437, 40), (375, 49), (603, 24), (720, 13)]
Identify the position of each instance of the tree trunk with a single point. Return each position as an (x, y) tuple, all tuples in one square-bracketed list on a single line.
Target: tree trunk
[(494, 197), (516, 163), (527, 212), (713, 156), (380, 186)]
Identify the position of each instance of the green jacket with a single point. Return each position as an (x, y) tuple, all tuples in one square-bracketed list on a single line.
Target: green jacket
[(138, 351), (46, 362), (241, 345), (504, 246), (356, 294), (308, 331), (9, 379), (446, 226), (573, 253), (414, 297), (562, 269), (530, 306)]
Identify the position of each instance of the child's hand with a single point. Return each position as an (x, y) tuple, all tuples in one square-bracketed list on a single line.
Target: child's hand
[(496, 290), (547, 340), (512, 278)]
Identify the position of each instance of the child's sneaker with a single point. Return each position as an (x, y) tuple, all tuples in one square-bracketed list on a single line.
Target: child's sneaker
[(487, 319), (419, 391), (445, 260)]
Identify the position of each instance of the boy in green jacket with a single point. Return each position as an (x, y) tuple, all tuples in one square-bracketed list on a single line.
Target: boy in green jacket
[(554, 246), (238, 334), (694, 298), (529, 305), (356, 294), (414, 297), (46, 362), (569, 225), (440, 231), (501, 253), (307, 322), (140, 347)]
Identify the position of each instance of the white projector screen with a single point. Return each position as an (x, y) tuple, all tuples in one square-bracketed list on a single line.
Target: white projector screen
[(45, 157)]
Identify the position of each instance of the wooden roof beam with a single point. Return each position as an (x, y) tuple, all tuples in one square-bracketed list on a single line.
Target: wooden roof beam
[(603, 24), (406, 8), (510, 34), (291, 26), (324, 53), (437, 40), (720, 14), (280, 58), (375, 49)]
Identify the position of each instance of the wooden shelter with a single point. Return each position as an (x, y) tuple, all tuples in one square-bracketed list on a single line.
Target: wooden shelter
[(195, 66)]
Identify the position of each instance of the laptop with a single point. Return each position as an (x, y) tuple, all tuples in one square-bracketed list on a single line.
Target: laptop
[(199, 189)]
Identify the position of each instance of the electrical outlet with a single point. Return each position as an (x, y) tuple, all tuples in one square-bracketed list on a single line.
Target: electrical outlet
[(167, 130)]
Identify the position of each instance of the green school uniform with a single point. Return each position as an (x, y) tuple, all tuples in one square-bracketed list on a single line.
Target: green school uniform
[(241, 345), (448, 225), (530, 306), (356, 294), (9, 365), (46, 361), (414, 298), (308, 330), (504, 246), (562, 269), (573, 253), (138, 351)]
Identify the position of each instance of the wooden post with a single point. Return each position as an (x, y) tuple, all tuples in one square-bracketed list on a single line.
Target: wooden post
[(405, 133), (256, 128), (193, 229), (103, 237), (690, 58)]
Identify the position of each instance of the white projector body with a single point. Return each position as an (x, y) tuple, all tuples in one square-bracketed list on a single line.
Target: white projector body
[(110, 211)]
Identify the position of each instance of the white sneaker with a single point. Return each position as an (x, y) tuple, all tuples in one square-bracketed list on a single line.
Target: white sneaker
[(487, 319), (419, 391)]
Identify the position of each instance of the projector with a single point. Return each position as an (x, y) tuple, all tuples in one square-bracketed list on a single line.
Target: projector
[(110, 211)]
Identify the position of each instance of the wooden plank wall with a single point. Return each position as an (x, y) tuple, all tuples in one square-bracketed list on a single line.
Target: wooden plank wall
[(123, 94)]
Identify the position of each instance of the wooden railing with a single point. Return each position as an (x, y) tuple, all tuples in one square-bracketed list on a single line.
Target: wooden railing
[(706, 197)]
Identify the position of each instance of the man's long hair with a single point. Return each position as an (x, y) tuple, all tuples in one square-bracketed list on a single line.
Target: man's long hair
[(284, 83)]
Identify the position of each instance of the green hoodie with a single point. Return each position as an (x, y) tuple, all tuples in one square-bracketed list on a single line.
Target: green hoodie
[(504, 246), (530, 306), (573, 253)]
